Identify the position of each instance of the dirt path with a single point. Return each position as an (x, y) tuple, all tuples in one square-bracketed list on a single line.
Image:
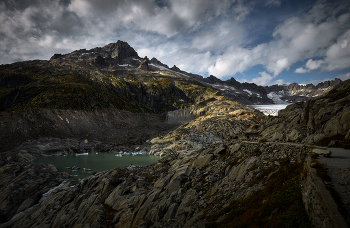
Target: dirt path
[(339, 170)]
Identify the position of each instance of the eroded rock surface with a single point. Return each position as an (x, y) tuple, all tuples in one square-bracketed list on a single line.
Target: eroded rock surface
[(217, 120), (22, 183), (189, 186)]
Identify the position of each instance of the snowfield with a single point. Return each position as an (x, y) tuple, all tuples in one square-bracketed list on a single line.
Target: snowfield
[(270, 109)]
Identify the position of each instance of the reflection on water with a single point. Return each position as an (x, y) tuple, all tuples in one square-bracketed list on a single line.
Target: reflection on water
[(96, 162)]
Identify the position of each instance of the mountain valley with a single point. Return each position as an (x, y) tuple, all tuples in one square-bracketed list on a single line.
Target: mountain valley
[(224, 164)]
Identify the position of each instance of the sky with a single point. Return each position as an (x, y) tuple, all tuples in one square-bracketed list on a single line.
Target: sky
[(261, 41)]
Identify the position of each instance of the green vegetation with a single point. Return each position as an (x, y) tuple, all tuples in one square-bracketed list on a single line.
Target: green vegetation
[(195, 91), (75, 86), (47, 88)]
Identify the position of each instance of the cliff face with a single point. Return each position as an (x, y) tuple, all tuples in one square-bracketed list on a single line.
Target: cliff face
[(322, 119), (114, 127)]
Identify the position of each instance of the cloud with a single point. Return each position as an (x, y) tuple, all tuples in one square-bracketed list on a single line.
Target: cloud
[(309, 66), (30, 32), (237, 60), (168, 18), (241, 11), (199, 36), (277, 67), (275, 3), (280, 82), (216, 37), (338, 54), (264, 79), (28, 26), (344, 76), (308, 36)]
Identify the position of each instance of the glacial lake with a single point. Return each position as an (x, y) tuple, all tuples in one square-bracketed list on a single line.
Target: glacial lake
[(97, 162)]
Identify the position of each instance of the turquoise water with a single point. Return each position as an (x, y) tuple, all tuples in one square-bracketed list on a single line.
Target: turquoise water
[(97, 162)]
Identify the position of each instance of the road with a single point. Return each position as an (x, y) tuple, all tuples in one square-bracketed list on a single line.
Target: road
[(338, 166)]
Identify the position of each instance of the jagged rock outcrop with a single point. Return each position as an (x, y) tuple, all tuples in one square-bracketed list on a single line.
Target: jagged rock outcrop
[(111, 54), (157, 62), (316, 120), (197, 188), (144, 64), (120, 51), (22, 183)]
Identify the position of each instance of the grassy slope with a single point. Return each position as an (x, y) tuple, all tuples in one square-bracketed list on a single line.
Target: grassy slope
[(39, 84)]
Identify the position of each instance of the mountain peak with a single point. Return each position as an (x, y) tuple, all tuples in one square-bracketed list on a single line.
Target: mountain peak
[(175, 68), (120, 50)]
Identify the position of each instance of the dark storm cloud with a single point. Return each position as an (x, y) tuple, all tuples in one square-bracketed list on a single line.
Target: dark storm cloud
[(38, 28)]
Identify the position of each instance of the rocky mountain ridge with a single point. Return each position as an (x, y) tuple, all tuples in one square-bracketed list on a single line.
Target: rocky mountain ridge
[(250, 93), (246, 93)]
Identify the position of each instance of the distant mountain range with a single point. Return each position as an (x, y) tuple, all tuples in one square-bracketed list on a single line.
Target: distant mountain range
[(115, 77), (250, 93)]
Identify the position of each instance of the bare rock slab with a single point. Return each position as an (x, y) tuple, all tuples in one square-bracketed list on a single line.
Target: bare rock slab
[(324, 152)]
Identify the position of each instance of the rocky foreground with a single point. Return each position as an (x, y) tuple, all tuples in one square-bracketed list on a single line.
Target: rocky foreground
[(220, 185), (216, 171)]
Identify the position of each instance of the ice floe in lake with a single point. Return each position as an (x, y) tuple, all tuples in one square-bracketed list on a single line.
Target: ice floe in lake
[(82, 154), (121, 153)]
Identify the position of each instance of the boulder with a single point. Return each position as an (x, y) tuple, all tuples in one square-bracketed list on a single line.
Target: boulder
[(324, 152), (202, 161), (171, 212), (294, 135)]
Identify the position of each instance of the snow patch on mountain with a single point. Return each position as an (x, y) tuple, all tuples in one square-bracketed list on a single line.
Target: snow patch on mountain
[(276, 97), (245, 90), (223, 87), (159, 67), (164, 68)]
